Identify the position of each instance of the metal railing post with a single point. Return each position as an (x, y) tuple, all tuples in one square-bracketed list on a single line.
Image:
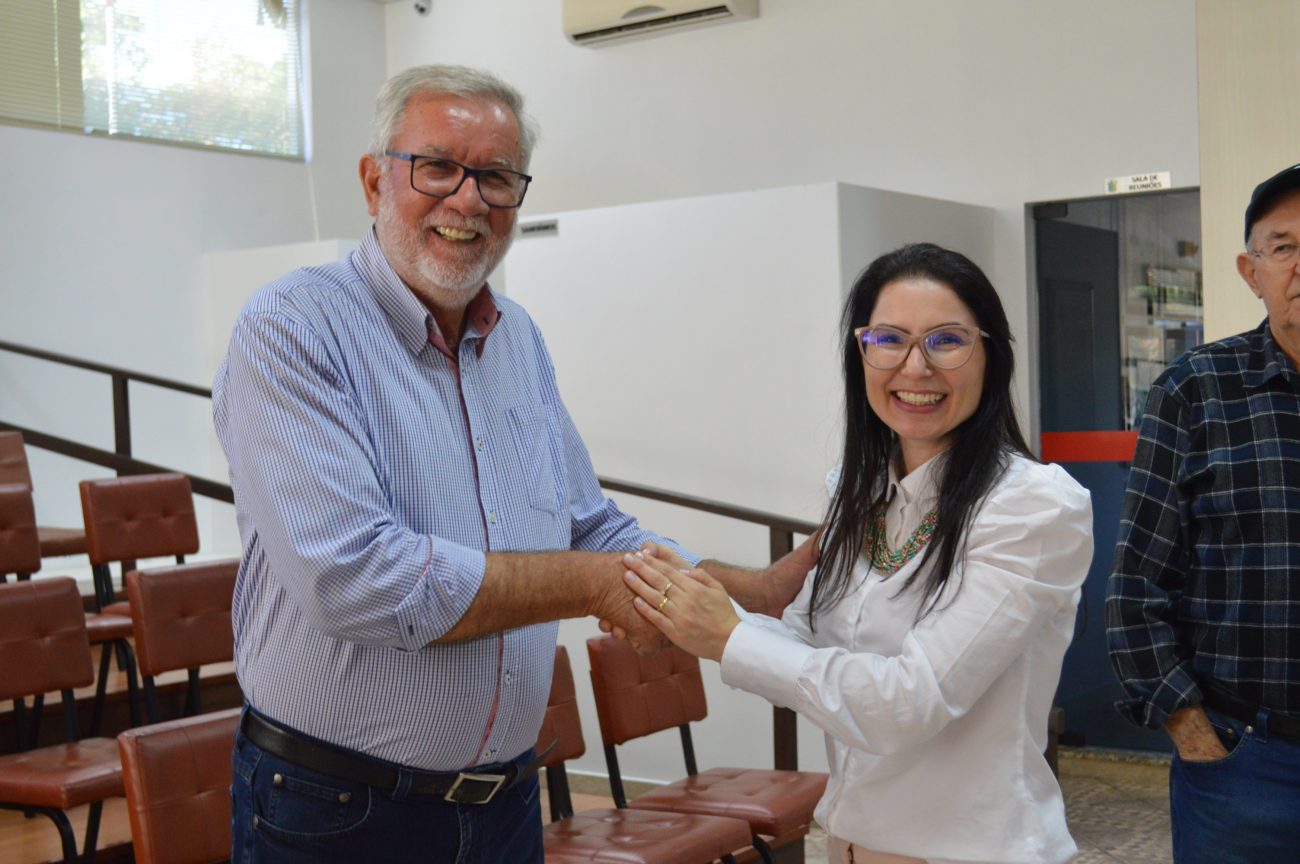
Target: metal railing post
[(785, 737), (121, 415)]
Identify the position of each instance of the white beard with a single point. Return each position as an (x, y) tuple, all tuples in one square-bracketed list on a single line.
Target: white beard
[(446, 284)]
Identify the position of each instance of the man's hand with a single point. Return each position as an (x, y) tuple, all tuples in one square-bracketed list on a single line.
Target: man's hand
[(1194, 735), (617, 615)]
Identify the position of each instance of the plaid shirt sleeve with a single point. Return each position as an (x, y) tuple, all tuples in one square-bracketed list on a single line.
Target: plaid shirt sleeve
[(1149, 572)]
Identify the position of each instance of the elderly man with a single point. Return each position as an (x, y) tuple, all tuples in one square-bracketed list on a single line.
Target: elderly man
[(1203, 607), (410, 492)]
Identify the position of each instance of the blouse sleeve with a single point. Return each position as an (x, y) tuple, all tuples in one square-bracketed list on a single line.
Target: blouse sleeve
[(1028, 552)]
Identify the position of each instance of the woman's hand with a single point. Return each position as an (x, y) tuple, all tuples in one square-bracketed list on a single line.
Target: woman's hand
[(687, 605)]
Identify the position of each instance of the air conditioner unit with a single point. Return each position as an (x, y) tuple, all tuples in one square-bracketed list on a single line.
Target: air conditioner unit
[(592, 22)]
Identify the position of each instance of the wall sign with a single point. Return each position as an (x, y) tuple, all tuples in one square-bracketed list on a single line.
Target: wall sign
[(1138, 183)]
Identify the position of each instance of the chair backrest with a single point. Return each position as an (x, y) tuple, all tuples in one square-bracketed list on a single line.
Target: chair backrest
[(20, 546), (13, 459), (143, 516), (43, 645), (177, 777), (561, 725), (182, 615), (637, 695)]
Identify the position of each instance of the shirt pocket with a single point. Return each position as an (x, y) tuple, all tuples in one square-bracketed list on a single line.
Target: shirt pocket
[(534, 430)]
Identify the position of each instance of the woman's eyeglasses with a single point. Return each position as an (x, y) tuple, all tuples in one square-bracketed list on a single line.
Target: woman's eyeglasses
[(947, 347)]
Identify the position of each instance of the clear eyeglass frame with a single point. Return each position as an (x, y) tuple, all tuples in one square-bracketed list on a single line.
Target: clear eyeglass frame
[(934, 353), (505, 191), (1282, 252)]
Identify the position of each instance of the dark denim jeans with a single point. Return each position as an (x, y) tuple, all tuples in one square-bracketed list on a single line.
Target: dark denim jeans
[(310, 817), (1243, 808)]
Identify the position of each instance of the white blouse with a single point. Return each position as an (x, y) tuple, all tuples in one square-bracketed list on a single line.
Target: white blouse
[(935, 730)]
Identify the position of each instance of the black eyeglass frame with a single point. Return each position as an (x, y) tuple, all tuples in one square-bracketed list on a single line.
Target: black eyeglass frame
[(913, 341), (466, 173)]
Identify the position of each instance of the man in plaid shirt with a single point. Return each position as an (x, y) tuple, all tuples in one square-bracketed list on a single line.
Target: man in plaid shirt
[(1203, 604)]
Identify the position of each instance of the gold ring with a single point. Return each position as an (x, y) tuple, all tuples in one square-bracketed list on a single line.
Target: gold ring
[(662, 603), (668, 588)]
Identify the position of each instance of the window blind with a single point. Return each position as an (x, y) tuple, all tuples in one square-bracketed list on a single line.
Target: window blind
[(216, 73)]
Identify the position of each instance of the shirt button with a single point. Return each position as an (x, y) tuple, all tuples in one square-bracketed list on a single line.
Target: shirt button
[(478, 442), (345, 797), (506, 678), (492, 516), (278, 779)]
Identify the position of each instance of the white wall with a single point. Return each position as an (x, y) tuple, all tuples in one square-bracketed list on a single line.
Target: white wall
[(995, 103), (101, 242)]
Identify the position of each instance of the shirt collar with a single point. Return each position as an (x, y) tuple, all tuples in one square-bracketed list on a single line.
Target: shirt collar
[(411, 320), (1267, 359), (921, 485)]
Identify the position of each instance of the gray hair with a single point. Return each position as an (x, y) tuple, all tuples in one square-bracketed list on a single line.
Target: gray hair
[(390, 108)]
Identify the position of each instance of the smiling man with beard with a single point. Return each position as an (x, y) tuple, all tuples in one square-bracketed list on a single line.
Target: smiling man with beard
[(416, 510)]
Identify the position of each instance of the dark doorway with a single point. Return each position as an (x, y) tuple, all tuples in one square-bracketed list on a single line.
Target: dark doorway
[(1104, 270)]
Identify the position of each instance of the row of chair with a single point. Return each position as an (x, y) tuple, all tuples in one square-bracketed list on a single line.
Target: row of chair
[(125, 519), (709, 815), (182, 621), (178, 616), (176, 775)]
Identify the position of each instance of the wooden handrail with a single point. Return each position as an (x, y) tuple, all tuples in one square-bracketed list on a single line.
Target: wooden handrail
[(781, 529)]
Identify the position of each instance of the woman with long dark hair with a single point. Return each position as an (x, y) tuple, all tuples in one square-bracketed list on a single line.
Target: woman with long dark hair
[(928, 641)]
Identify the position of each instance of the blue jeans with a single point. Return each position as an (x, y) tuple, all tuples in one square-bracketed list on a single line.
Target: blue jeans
[(309, 817), (1243, 808)]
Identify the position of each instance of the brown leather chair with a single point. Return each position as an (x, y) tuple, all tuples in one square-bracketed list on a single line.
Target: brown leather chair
[(623, 836), (128, 518), (20, 553), (43, 648), (182, 621), (637, 696), (20, 550), (177, 778), (14, 469)]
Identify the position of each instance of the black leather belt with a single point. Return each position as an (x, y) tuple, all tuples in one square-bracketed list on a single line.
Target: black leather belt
[(457, 787), (1282, 725)]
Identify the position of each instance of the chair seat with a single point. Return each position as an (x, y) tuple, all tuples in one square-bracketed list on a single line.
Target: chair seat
[(61, 541), (772, 802), (63, 775), (120, 607), (642, 837), (103, 628)]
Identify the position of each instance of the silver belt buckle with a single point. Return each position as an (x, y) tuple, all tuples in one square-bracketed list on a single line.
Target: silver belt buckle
[(497, 781)]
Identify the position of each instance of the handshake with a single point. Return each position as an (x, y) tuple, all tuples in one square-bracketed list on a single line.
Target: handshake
[(658, 597)]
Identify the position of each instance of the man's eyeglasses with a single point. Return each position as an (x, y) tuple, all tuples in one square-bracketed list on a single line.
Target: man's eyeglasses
[(947, 347), (1280, 253), (441, 178)]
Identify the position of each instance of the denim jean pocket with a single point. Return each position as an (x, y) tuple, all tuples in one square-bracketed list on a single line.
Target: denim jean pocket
[(301, 805), (1233, 735)]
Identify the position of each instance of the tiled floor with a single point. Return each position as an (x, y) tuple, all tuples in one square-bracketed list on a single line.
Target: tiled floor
[(1117, 807)]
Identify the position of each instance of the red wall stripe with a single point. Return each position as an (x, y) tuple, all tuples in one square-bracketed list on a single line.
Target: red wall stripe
[(1089, 446)]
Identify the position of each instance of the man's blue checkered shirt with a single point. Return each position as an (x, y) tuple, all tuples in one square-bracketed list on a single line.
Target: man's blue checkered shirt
[(1205, 586)]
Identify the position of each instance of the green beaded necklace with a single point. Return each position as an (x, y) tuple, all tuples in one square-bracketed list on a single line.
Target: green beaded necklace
[(889, 562)]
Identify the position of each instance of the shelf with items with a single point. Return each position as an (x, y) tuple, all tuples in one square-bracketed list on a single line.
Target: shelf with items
[(1161, 319)]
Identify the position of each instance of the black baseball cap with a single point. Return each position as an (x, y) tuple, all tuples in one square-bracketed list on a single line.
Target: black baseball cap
[(1267, 193)]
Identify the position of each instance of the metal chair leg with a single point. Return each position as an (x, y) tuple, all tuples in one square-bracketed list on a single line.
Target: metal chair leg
[(92, 832), (101, 689)]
